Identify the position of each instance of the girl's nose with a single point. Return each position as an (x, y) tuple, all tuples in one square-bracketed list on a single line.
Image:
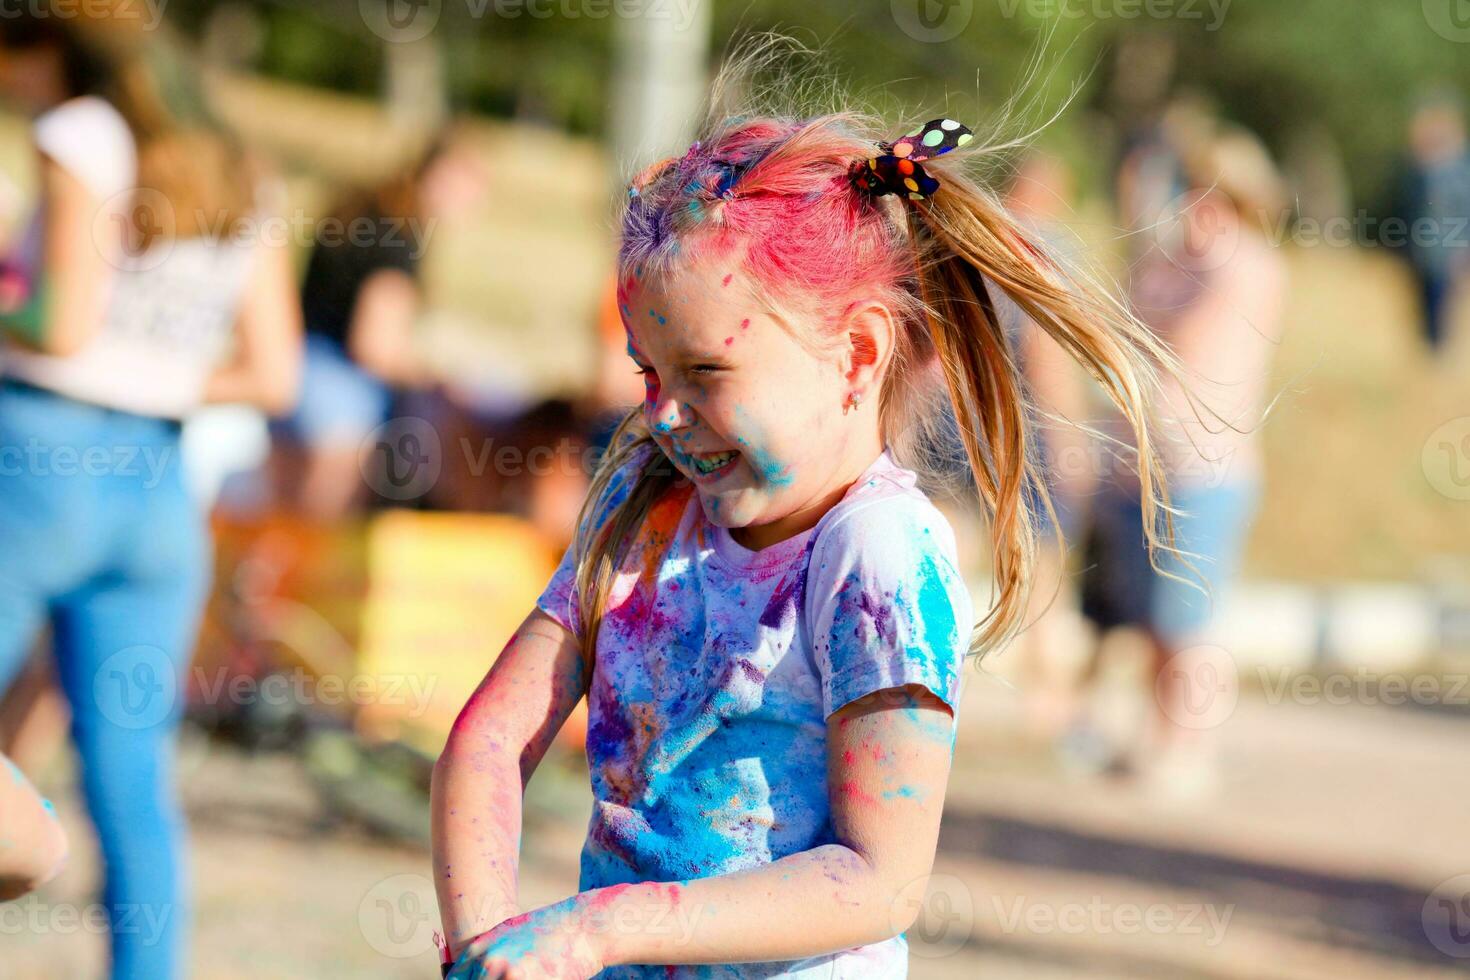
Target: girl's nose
[(667, 414)]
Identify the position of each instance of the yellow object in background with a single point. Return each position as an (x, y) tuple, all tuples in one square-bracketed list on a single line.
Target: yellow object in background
[(446, 592)]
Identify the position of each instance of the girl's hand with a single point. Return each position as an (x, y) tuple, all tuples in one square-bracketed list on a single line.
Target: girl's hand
[(548, 942)]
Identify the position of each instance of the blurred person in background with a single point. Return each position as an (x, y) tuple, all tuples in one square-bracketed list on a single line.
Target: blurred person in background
[(1215, 252), (32, 843), (1040, 198), (362, 297), (1433, 204), (135, 295)]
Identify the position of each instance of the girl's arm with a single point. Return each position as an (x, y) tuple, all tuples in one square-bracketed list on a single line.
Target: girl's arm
[(889, 756), (32, 844), (496, 744), (266, 368)]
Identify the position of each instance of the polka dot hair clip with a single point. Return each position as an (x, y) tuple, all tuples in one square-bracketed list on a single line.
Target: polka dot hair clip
[(897, 169)]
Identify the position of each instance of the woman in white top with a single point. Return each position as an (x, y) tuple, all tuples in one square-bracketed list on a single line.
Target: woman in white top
[(134, 296)]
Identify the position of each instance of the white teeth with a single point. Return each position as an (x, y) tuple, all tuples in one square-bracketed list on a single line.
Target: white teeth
[(708, 464)]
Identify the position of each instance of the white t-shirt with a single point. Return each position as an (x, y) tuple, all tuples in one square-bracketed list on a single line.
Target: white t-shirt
[(717, 668), (168, 312)]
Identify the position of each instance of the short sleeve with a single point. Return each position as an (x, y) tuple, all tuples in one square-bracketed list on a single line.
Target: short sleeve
[(90, 139), (886, 603), (559, 599)]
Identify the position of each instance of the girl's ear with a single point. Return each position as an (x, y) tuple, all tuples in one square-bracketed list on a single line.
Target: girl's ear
[(870, 332)]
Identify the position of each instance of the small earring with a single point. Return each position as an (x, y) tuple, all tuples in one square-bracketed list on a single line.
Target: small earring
[(857, 399)]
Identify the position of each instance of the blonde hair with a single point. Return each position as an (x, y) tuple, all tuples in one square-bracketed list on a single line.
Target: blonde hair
[(778, 189)]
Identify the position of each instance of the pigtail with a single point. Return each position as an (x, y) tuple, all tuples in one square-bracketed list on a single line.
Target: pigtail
[(966, 244)]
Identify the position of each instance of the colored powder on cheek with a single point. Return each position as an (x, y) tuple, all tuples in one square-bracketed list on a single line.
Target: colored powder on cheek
[(770, 469), (727, 279), (729, 341), (745, 324)]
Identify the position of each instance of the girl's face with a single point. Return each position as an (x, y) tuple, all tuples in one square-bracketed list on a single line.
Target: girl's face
[(754, 419)]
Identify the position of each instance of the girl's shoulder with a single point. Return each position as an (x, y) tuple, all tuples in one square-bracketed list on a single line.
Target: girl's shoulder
[(885, 515)]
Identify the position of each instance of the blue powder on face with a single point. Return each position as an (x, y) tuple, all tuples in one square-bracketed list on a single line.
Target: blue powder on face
[(767, 465)]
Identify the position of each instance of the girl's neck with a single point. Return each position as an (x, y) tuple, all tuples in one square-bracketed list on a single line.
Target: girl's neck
[(755, 537)]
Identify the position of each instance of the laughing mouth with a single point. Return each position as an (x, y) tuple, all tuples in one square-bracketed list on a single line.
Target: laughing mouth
[(712, 462)]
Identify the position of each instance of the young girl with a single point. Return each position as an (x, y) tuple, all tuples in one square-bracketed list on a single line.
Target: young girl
[(762, 607)]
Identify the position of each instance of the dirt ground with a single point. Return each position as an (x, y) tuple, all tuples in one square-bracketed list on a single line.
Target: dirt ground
[(1332, 851)]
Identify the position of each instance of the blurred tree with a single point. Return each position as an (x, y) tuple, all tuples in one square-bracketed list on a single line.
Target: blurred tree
[(1348, 67)]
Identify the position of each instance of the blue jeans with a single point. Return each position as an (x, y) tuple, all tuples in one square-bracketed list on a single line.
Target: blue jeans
[(100, 539), (1121, 588)]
